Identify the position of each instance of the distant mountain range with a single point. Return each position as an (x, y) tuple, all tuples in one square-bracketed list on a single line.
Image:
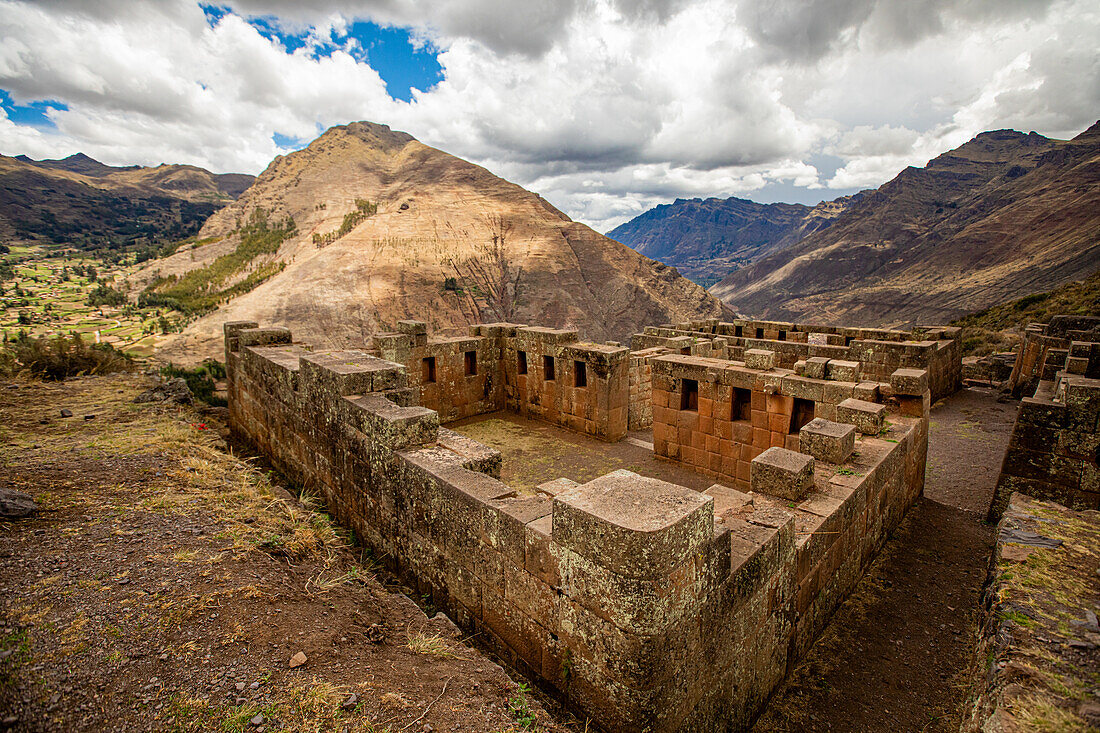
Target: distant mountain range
[(82, 202), (1002, 216), (367, 226), (708, 238)]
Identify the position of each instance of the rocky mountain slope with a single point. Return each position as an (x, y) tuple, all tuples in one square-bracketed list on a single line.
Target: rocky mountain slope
[(367, 226), (707, 238), (80, 201), (1001, 216)]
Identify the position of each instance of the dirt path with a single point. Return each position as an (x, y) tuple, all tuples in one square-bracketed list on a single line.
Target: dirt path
[(895, 657), (167, 585)]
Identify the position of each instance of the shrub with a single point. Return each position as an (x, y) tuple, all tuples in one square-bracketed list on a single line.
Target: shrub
[(61, 357), (200, 380)]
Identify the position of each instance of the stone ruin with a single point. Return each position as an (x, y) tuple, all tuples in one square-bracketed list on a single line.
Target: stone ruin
[(646, 605), (1054, 451)]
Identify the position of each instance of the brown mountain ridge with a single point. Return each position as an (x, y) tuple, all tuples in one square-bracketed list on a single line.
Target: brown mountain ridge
[(80, 201), (387, 228), (1002, 216)]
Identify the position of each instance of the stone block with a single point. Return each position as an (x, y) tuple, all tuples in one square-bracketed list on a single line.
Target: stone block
[(816, 366), (912, 382), (759, 359), (633, 525), (868, 391), (263, 336), (839, 370), (866, 416), (827, 441), (1077, 364), (784, 473)]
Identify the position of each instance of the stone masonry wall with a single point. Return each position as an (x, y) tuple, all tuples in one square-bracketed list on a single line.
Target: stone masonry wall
[(879, 351), (588, 393), (647, 605), (1054, 452)]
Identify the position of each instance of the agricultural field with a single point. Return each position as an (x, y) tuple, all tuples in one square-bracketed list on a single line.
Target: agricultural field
[(54, 291)]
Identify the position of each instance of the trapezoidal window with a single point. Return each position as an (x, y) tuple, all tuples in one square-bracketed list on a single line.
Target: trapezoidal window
[(738, 331), (742, 404), (428, 370), (521, 362), (580, 374), (801, 413), (471, 363), (689, 395), (759, 333), (782, 335), (685, 350), (548, 368)]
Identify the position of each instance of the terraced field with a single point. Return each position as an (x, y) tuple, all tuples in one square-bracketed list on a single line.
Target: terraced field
[(49, 295)]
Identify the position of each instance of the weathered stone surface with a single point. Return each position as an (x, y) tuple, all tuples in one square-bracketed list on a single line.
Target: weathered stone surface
[(173, 390), (840, 370), (784, 473), (631, 524), (759, 359), (816, 367), (827, 441), (912, 382), (16, 504), (868, 417)]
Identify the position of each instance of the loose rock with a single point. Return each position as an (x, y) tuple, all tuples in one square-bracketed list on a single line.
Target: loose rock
[(16, 504), (297, 660)]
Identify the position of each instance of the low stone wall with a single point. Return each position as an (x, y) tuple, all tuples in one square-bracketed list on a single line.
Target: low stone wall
[(879, 352), (1041, 595), (1054, 452), (648, 606)]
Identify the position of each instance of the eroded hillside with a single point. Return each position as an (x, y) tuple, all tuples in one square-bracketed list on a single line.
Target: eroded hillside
[(386, 228)]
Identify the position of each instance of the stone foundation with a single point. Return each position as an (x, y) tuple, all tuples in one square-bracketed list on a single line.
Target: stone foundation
[(646, 605)]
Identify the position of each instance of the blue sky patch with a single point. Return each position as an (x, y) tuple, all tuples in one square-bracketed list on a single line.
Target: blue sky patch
[(403, 63), (286, 142), (33, 114)]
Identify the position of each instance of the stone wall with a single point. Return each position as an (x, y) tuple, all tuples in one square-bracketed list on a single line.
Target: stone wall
[(583, 387), (648, 606), (1054, 452), (879, 351), (1046, 350), (1041, 594)]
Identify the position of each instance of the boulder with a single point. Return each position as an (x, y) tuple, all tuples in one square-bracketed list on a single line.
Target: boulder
[(16, 504), (174, 390)]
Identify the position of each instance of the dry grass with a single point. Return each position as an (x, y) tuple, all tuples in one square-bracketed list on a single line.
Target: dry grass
[(432, 645)]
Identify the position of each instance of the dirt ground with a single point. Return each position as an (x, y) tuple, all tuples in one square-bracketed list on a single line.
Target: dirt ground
[(167, 585), (896, 655)]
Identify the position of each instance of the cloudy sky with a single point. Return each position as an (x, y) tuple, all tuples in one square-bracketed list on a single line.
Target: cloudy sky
[(606, 107)]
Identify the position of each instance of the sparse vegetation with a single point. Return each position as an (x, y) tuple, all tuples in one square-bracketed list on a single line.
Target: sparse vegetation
[(60, 357), (200, 380), (363, 209), (204, 288), (997, 328)]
